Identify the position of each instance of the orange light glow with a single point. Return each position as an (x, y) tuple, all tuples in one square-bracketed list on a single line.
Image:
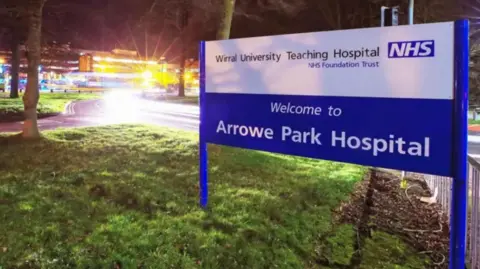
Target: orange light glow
[(128, 61)]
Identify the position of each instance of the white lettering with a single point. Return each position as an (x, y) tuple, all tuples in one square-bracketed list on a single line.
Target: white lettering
[(315, 137), (235, 127), (297, 137), (268, 133), (426, 50), (415, 149), (304, 137), (292, 109), (397, 49), (427, 147), (276, 107), (286, 131), (221, 127), (367, 143), (400, 144), (298, 110), (392, 145), (379, 145), (413, 47), (335, 138), (255, 131), (243, 130), (353, 142)]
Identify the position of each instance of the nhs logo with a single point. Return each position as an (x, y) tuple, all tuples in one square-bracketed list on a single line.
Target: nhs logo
[(411, 49)]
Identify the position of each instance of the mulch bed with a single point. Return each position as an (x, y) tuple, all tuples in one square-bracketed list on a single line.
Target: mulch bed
[(379, 203)]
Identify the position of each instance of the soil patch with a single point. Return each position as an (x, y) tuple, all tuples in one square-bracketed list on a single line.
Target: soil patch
[(380, 204)]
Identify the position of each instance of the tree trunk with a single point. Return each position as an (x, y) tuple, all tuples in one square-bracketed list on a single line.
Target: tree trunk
[(181, 81), (15, 63), (184, 40), (223, 31), (32, 95)]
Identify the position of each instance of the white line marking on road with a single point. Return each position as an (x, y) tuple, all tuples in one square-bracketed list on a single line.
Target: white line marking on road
[(66, 109), (72, 109)]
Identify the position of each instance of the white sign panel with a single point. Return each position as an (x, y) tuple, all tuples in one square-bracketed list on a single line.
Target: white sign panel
[(393, 62)]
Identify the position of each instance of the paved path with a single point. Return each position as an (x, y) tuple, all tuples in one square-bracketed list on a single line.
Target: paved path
[(118, 108)]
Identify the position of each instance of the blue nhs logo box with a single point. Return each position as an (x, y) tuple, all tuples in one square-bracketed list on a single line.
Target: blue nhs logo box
[(411, 49)]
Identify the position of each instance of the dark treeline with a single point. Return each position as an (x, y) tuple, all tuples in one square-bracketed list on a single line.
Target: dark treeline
[(173, 28), (156, 26)]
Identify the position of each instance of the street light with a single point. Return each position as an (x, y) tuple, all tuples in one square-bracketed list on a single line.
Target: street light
[(410, 11), (389, 16)]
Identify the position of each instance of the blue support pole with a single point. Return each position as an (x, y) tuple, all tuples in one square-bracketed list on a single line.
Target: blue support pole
[(203, 165), (458, 220)]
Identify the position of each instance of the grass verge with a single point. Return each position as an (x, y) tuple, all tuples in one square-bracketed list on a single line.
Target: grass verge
[(49, 103), (184, 100), (470, 121), (192, 100), (386, 251), (127, 195)]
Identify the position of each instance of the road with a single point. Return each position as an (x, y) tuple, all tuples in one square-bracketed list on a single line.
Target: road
[(474, 150), (124, 107), (118, 108)]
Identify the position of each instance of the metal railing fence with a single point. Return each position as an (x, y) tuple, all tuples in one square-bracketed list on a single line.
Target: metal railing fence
[(441, 187)]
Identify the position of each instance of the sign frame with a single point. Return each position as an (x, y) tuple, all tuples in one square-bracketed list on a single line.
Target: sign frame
[(458, 219)]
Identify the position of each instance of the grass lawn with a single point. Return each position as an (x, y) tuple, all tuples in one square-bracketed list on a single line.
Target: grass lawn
[(386, 251), (49, 103), (470, 121), (93, 197)]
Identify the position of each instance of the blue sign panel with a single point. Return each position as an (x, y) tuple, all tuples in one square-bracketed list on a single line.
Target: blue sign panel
[(370, 131), (379, 97)]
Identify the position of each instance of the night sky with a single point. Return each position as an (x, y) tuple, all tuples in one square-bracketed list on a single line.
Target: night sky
[(127, 24)]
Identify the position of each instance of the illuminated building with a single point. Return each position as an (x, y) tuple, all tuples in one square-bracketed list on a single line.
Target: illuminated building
[(192, 73), (56, 58), (126, 65), (60, 62), (116, 61)]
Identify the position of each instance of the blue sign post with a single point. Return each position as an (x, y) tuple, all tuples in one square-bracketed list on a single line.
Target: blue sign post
[(378, 96), (458, 224), (203, 166)]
